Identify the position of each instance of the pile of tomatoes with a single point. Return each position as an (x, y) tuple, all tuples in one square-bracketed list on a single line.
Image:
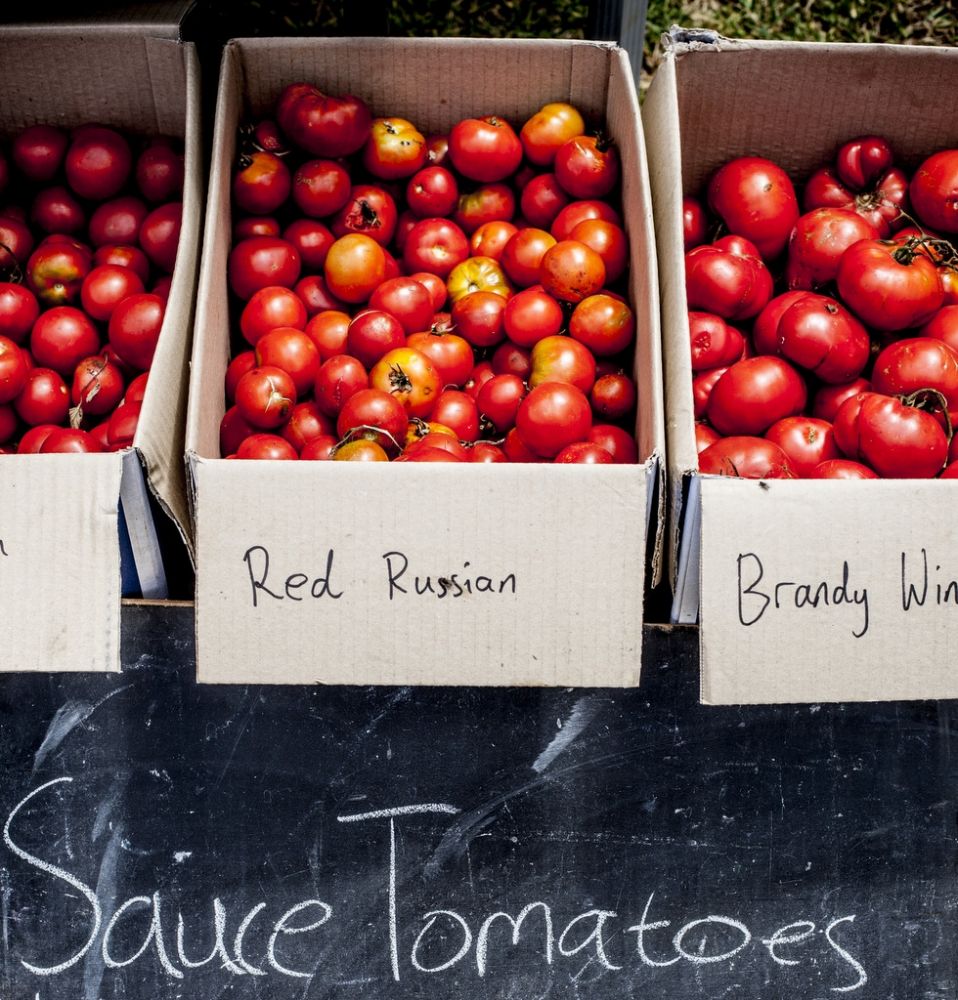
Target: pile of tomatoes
[(851, 370), (438, 298), (89, 225)]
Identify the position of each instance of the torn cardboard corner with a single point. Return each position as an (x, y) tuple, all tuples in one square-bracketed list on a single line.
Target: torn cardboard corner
[(512, 575), (773, 569)]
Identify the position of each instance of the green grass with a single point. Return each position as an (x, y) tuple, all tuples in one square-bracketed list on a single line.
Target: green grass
[(922, 22)]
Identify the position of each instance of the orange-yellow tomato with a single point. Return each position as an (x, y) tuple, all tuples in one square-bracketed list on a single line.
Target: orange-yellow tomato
[(477, 274), (549, 128), (409, 377)]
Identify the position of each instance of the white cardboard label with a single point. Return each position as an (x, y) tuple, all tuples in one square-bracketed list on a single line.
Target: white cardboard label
[(828, 591), (59, 563), (397, 575)]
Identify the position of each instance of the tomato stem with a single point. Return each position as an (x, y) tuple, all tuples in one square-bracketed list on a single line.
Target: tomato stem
[(15, 276), (929, 399)]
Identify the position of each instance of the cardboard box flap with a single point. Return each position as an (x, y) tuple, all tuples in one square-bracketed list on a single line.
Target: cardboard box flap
[(418, 567), (161, 430), (160, 18), (663, 142), (847, 610), (74, 626)]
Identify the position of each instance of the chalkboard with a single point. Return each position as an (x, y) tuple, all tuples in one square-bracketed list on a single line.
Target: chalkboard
[(163, 841)]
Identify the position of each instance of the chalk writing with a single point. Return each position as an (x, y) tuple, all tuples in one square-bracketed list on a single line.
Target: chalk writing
[(440, 939)]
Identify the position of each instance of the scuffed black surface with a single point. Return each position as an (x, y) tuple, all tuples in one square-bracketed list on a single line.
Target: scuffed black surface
[(581, 799)]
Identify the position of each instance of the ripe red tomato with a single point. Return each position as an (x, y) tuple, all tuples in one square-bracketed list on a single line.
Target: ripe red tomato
[(889, 287), (159, 171), (583, 453), (727, 278), (522, 256), (753, 394), (511, 359), (373, 333), (487, 452), (578, 211), (410, 377), (548, 130), (44, 398), (235, 370), (312, 241), (934, 191), (66, 440), (755, 199), (370, 211), (121, 429), (320, 124), (570, 271), (604, 324), (160, 235), (829, 398), (261, 261), (306, 423), (881, 206), (97, 386), (897, 440), (134, 329), (553, 415), (266, 447), (746, 457), (97, 162), (490, 239), (18, 311), (842, 468), (587, 166), (38, 151), (806, 440), (489, 203), (265, 396), (541, 201), (531, 315), (269, 308), (819, 334), (55, 210), (320, 188), (406, 299), (613, 396), (262, 184), (395, 149), (233, 431), (14, 368), (619, 443), (705, 437), (292, 351), (499, 399), (32, 440), (436, 246), (123, 256), (451, 354), (355, 267), (694, 223), (817, 243), (485, 149), (373, 408), (61, 338), (458, 412), (339, 378), (320, 449), (432, 191), (478, 317), (105, 287), (917, 363), (609, 242), (714, 343), (702, 385), (117, 221), (328, 330), (862, 161)]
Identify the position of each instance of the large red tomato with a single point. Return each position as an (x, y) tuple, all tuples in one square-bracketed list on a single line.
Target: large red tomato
[(552, 416), (714, 343), (917, 363), (817, 243), (134, 329), (97, 162), (755, 199), (727, 278), (61, 338), (587, 166), (753, 394), (889, 287), (485, 149), (746, 457), (806, 440), (819, 334), (320, 124), (934, 191)]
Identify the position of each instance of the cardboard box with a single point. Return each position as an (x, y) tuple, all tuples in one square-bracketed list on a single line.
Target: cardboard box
[(562, 549), (844, 624), (60, 522)]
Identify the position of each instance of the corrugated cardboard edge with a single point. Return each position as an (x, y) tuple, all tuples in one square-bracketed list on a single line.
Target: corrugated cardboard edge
[(663, 143), (160, 437)]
